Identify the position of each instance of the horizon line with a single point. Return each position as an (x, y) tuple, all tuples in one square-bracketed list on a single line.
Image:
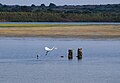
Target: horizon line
[(59, 4)]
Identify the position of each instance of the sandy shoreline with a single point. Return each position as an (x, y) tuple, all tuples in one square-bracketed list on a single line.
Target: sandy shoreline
[(82, 31)]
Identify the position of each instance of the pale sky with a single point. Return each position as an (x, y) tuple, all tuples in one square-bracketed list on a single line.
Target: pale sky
[(58, 2)]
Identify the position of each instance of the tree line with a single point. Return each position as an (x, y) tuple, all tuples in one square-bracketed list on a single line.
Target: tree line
[(66, 13)]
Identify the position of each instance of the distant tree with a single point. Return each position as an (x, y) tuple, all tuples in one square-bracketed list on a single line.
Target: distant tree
[(0, 4), (52, 5), (32, 5), (16, 8), (42, 5), (25, 9), (49, 10)]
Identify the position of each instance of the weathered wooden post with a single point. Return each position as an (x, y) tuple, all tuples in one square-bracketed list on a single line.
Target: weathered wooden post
[(79, 53), (70, 54), (37, 56)]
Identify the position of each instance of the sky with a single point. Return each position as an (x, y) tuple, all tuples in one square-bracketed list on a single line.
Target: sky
[(58, 2)]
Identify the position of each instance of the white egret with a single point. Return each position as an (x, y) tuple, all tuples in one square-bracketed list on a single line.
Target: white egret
[(49, 49)]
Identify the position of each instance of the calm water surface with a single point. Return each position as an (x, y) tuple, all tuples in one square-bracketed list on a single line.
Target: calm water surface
[(69, 23), (18, 64)]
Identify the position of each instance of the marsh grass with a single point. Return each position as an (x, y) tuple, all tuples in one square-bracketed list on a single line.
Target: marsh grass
[(45, 25), (33, 25)]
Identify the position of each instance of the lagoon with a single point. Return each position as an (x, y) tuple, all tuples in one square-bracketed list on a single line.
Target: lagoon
[(18, 63)]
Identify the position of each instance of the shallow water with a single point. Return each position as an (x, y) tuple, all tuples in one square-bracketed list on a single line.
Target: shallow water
[(18, 64), (68, 23)]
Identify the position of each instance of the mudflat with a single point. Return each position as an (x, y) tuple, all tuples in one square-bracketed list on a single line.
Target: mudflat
[(63, 31)]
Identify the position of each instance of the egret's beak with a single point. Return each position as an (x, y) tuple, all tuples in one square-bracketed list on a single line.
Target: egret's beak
[(55, 48)]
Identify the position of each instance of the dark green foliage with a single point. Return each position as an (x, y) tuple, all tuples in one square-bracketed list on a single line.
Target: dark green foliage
[(42, 6), (52, 5), (32, 5), (84, 13)]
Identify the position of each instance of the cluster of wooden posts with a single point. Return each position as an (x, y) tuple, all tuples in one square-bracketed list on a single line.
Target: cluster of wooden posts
[(79, 54)]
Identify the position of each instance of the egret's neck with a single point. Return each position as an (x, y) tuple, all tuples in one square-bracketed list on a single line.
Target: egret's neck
[(53, 48)]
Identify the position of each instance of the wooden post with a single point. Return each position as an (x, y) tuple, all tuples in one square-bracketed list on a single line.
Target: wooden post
[(37, 56), (70, 54), (79, 53)]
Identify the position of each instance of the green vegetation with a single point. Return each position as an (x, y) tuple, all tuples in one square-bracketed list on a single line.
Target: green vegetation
[(34, 25), (66, 13)]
